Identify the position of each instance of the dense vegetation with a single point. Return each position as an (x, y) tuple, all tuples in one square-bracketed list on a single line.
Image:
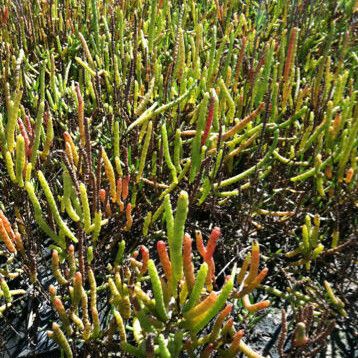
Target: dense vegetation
[(130, 129)]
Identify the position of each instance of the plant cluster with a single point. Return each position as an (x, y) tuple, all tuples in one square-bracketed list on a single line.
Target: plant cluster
[(112, 110)]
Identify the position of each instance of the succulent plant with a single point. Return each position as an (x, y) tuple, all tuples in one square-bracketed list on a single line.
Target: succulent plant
[(112, 110)]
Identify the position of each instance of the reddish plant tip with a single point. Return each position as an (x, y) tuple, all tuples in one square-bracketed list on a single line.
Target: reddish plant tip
[(7, 225), (143, 250), (187, 239), (349, 175), (145, 258), (5, 238), (264, 272), (66, 136), (78, 90), (161, 245), (228, 308), (52, 290), (201, 307), (216, 232), (71, 249), (214, 237), (235, 345), (263, 304), (255, 248), (256, 306), (102, 195), (229, 324), (129, 218), (164, 259), (199, 243), (125, 186), (57, 303), (238, 335), (55, 257), (78, 277)]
